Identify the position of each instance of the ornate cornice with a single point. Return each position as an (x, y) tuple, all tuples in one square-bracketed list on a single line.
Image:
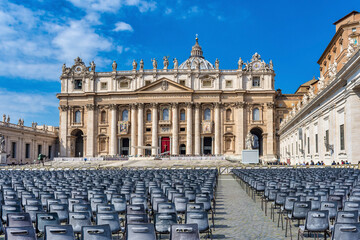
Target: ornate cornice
[(64, 108), (90, 107)]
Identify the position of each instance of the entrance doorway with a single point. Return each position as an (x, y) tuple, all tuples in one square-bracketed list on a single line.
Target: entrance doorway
[(124, 146), (207, 145), (182, 149), (165, 145), (79, 143), (258, 140), (148, 150)]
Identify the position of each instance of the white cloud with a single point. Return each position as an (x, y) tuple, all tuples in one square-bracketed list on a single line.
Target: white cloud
[(123, 26), (120, 49), (38, 71), (113, 5), (80, 39), (168, 11), (26, 105)]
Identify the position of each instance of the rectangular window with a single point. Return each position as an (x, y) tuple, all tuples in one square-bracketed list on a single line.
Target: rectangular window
[(182, 129), (182, 82), (78, 84), (103, 86), (206, 83), (125, 84), (342, 137), (147, 82), (228, 83), (327, 140), (353, 29), (13, 149), (39, 149), (281, 120), (148, 129), (27, 150), (50, 152), (308, 145), (316, 143), (256, 82)]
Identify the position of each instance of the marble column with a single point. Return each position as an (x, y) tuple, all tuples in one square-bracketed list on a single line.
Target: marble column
[(133, 126), (239, 128), (217, 129), (140, 128), (175, 129), (63, 131), (197, 148), (270, 130), (154, 130), (90, 130), (113, 133), (189, 124)]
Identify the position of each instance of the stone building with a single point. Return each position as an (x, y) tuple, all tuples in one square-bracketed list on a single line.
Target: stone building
[(24, 144), (192, 108), (324, 125)]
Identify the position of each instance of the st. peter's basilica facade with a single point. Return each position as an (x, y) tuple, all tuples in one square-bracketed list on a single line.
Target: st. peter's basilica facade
[(193, 108)]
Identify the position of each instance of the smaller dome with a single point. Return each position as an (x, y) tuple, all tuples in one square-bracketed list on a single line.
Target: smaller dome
[(196, 59)]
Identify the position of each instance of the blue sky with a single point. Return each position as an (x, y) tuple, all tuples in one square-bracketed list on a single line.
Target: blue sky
[(38, 36)]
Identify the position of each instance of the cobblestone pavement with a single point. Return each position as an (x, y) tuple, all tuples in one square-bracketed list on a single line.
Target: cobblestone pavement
[(239, 217)]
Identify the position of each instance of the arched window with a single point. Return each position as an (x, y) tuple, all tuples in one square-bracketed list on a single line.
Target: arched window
[(182, 115), (125, 115), (166, 114), (148, 116), (78, 116), (103, 117), (256, 114), (207, 114), (228, 114)]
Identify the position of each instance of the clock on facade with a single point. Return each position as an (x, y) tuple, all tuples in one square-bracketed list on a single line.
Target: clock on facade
[(256, 66), (78, 69)]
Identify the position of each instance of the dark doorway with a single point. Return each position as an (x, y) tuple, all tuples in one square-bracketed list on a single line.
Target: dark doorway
[(165, 145), (125, 143), (207, 145), (148, 150), (182, 149), (79, 144), (258, 140)]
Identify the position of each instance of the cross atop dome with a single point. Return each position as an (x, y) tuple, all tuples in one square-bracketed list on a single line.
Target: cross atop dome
[(196, 50)]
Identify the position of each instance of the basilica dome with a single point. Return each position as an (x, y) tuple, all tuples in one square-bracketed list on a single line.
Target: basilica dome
[(196, 59)]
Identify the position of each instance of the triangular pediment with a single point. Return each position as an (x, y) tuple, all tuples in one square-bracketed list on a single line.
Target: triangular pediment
[(164, 85)]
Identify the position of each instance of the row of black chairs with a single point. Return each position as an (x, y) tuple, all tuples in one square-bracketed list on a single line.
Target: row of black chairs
[(129, 202), (326, 200)]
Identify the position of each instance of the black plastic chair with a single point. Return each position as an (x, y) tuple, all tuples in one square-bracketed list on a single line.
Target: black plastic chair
[(331, 207), (140, 231), (33, 210), (43, 219), (98, 232), (62, 210), (346, 231), (60, 232), (201, 219), (119, 204), (184, 231), (347, 217), (135, 209), (316, 222), (136, 218), (109, 218), (78, 220), (19, 220), (163, 222), (5, 209), (20, 233)]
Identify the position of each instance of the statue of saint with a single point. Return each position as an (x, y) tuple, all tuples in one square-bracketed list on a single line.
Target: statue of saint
[(321, 83), (4, 118), (92, 66), (240, 64), (141, 64), (154, 63), (175, 63), (249, 141), (8, 119), (311, 91), (63, 68), (114, 66), (134, 64), (188, 65), (166, 62), (19, 122), (217, 64), (271, 66), (350, 48), (2, 143), (197, 64)]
